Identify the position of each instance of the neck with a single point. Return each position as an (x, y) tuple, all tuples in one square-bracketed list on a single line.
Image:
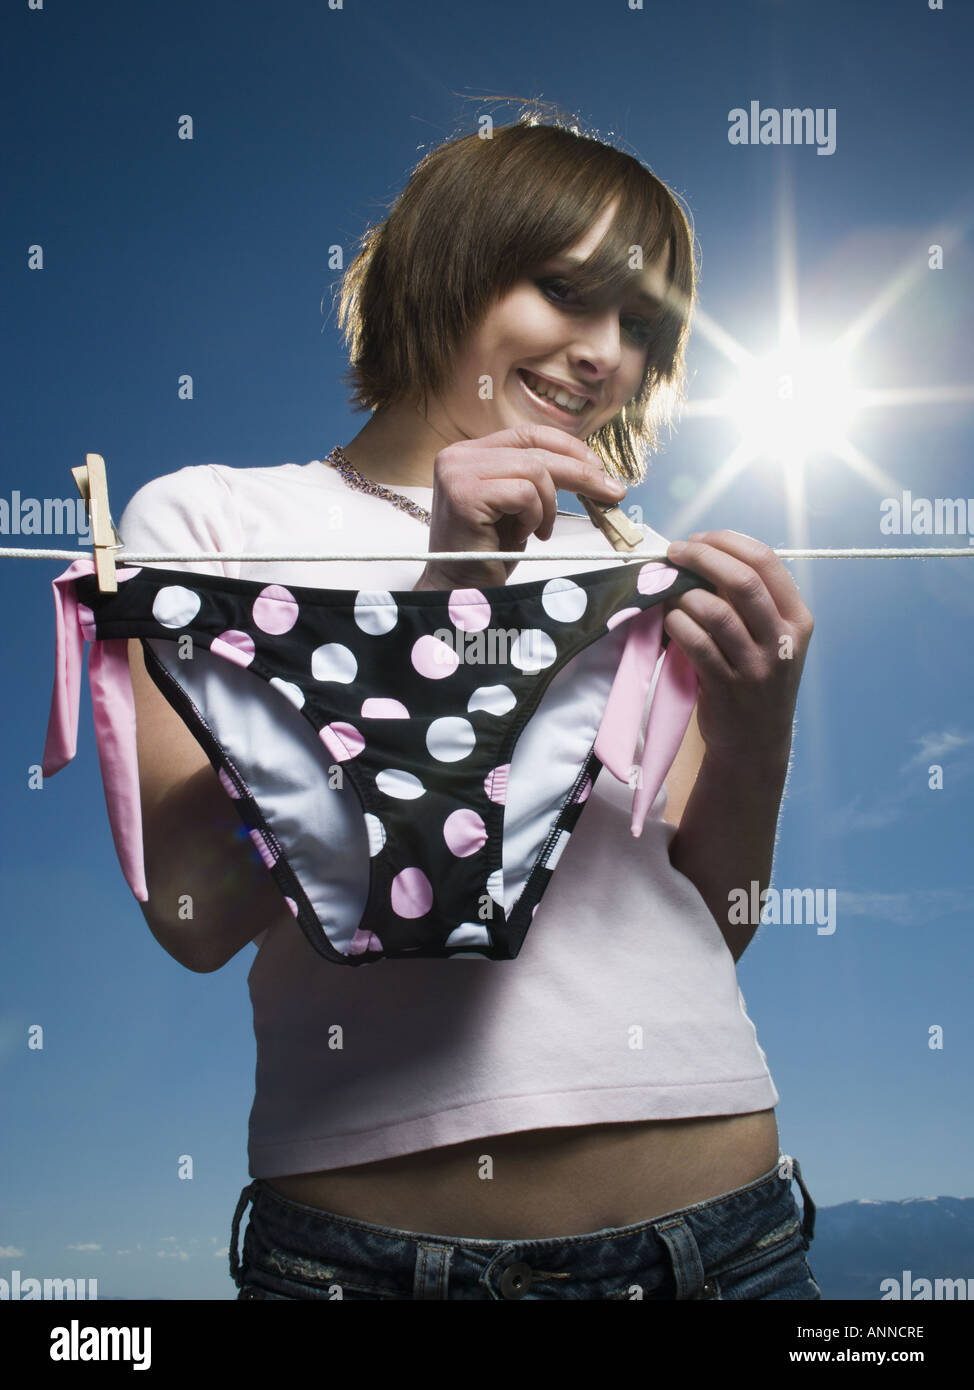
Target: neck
[(398, 446)]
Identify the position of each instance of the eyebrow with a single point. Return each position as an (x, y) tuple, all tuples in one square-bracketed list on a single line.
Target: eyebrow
[(579, 260)]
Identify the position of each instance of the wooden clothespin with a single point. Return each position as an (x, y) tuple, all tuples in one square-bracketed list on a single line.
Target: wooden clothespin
[(93, 486), (623, 534)]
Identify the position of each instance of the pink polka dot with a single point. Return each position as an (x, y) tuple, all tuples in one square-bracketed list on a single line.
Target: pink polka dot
[(364, 941), (464, 832), (411, 894), (234, 646), (495, 783), (343, 741), (227, 785), (583, 795), (87, 620), (378, 708), (292, 905), (262, 848), (433, 658), (275, 610), (129, 572), (468, 610), (534, 910), (654, 577), (623, 616)]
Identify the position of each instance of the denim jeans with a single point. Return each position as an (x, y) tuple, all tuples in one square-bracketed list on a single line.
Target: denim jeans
[(747, 1244)]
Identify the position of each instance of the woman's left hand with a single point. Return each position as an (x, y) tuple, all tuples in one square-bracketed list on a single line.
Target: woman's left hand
[(747, 643)]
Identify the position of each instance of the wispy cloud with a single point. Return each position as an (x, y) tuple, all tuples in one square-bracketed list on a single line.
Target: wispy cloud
[(947, 747), (90, 1245), (903, 909), (934, 747), (172, 1254), (9, 1252), (856, 816)]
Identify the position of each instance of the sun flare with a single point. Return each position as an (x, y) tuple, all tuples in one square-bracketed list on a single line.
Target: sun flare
[(787, 406)]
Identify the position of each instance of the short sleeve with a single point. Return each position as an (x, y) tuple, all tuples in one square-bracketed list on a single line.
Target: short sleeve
[(183, 512)]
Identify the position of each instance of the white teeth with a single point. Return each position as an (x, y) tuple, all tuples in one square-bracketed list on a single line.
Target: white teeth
[(574, 404)]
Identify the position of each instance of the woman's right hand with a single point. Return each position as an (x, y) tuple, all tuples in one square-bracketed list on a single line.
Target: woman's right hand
[(492, 493)]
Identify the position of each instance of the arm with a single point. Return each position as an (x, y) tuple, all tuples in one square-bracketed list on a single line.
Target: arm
[(194, 849), (747, 643), (726, 813)]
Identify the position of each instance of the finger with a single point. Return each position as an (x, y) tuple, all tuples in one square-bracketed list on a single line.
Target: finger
[(547, 437), (517, 498), (738, 582), (472, 480), (697, 646), (778, 578), (571, 464), (718, 619)]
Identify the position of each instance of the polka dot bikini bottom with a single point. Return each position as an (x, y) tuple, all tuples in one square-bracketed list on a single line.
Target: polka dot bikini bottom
[(409, 765)]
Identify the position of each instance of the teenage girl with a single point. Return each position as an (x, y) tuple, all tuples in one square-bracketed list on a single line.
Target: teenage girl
[(490, 1130)]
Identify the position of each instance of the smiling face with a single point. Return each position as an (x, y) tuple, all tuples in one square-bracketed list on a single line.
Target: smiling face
[(540, 337)]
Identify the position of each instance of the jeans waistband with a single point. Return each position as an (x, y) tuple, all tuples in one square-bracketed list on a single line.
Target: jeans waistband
[(671, 1226)]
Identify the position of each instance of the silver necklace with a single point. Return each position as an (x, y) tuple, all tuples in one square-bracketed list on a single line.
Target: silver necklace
[(340, 463)]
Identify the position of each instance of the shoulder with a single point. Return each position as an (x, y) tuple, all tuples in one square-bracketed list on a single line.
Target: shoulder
[(175, 503)]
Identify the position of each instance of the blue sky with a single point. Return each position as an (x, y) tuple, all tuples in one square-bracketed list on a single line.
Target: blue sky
[(162, 255)]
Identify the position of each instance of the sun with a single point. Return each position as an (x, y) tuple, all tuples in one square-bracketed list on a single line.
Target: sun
[(789, 405), (801, 397)]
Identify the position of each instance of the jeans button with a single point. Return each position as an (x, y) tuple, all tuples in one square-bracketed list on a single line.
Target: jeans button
[(708, 1290), (516, 1280)]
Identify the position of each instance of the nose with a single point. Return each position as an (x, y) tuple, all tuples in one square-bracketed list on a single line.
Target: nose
[(598, 346)]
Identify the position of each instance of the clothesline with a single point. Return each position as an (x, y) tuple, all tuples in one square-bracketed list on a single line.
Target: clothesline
[(126, 557)]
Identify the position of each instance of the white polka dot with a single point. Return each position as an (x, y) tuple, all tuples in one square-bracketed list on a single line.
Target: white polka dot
[(289, 690), (469, 934), (495, 887), (175, 606), (532, 650), (334, 662), (493, 699), (292, 905), (375, 611), (564, 600), (275, 610), (469, 610), (402, 785), (449, 739), (376, 832)]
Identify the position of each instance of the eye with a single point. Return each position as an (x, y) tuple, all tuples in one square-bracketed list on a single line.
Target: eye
[(553, 288)]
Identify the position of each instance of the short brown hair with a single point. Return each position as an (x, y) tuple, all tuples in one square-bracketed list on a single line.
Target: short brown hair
[(479, 214)]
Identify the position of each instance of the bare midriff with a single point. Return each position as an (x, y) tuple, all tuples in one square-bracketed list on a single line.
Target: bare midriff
[(549, 1182)]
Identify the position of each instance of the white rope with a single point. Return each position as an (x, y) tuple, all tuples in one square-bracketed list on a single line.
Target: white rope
[(125, 557)]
